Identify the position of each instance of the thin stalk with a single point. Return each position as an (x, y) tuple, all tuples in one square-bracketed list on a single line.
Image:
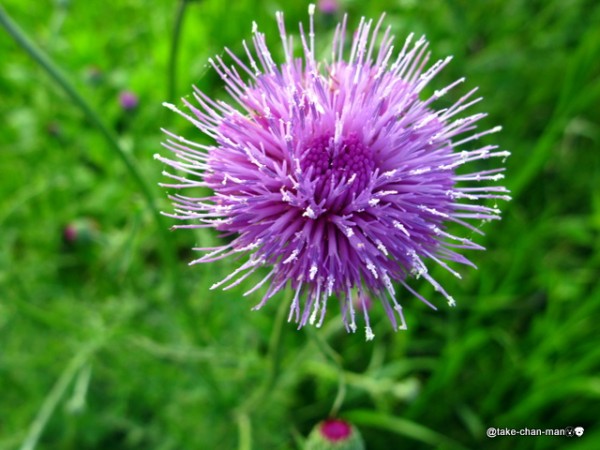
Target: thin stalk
[(174, 54), (275, 345), (335, 358), (274, 357), (244, 431), (242, 414)]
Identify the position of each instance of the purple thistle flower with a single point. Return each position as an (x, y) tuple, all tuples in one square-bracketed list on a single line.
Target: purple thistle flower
[(337, 176)]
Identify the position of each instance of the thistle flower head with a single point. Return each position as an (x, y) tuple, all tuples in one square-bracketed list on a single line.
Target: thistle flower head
[(339, 176)]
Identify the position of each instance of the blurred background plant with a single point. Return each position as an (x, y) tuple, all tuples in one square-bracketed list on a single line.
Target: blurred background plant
[(109, 340)]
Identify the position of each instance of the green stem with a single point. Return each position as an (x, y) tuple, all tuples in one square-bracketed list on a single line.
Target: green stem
[(336, 359), (173, 56), (57, 76), (244, 430), (275, 345), (274, 357)]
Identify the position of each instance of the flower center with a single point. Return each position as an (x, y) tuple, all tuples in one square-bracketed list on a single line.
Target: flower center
[(349, 161)]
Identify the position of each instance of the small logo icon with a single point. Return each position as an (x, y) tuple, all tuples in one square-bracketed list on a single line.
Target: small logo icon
[(570, 431), (579, 431)]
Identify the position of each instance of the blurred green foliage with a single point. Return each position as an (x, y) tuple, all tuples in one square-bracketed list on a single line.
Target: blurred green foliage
[(108, 342)]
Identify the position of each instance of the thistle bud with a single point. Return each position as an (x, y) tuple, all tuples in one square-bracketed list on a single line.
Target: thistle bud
[(334, 434)]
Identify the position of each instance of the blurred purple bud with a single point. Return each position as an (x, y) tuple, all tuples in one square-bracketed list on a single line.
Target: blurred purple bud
[(128, 100), (70, 233), (80, 232), (328, 6)]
